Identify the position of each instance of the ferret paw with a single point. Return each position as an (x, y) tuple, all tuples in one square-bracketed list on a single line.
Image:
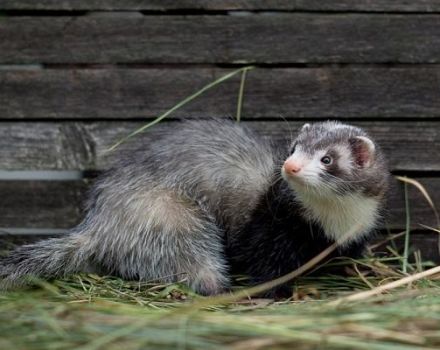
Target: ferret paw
[(209, 282)]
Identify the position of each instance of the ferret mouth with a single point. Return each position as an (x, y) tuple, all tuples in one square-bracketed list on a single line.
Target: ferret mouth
[(295, 179), (301, 181)]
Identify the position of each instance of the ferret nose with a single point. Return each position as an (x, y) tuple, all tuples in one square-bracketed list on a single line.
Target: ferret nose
[(292, 167)]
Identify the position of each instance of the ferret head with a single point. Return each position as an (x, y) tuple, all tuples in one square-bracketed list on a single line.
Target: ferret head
[(334, 158), (338, 173)]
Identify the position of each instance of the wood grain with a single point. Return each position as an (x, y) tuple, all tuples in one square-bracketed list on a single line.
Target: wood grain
[(426, 242), (41, 204), (349, 93), (275, 38), (81, 145), (51, 204), (163, 5)]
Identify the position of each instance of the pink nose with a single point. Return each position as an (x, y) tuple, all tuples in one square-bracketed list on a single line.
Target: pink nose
[(292, 167)]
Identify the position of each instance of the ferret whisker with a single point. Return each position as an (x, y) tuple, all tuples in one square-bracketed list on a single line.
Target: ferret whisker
[(289, 128)]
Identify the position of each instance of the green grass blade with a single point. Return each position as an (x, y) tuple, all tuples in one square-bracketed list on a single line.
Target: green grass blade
[(180, 104), (407, 231), (240, 94)]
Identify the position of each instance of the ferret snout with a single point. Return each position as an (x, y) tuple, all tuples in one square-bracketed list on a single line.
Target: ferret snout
[(292, 167)]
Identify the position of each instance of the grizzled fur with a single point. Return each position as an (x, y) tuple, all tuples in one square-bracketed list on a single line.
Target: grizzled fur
[(208, 200)]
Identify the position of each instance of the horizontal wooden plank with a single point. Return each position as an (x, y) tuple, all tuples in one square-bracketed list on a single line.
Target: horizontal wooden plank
[(163, 5), (420, 211), (426, 242), (41, 204), (81, 146), (46, 204), (350, 93), (275, 38)]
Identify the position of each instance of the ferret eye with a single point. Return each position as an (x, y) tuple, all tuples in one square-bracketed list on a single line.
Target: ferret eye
[(326, 160), (292, 150)]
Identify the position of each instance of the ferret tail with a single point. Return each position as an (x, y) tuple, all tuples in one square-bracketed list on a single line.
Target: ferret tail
[(51, 258)]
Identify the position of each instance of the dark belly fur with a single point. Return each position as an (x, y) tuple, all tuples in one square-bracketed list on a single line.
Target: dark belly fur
[(278, 240)]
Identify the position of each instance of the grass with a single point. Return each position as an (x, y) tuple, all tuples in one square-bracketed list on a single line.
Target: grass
[(91, 312), (379, 303), (387, 303)]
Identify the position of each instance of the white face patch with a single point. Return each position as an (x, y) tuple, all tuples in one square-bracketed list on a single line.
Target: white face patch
[(311, 168), (345, 161)]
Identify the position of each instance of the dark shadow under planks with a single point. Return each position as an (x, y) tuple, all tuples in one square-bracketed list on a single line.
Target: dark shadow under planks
[(349, 93), (275, 38), (163, 5), (409, 146), (58, 204)]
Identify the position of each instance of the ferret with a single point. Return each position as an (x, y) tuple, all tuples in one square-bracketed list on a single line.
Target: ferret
[(210, 199)]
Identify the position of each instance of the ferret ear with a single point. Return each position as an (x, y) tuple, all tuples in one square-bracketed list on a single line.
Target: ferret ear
[(305, 127), (364, 150)]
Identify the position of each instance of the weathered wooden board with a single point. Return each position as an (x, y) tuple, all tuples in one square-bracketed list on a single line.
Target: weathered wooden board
[(425, 242), (275, 38), (41, 204), (81, 146), (163, 5), (420, 211), (349, 93), (48, 204)]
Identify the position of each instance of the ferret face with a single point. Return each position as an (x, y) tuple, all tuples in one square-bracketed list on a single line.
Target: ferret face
[(331, 158)]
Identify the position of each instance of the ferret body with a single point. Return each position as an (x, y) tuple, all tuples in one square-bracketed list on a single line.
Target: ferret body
[(212, 198)]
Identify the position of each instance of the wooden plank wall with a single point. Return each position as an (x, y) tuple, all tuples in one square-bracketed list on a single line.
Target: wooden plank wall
[(77, 75)]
